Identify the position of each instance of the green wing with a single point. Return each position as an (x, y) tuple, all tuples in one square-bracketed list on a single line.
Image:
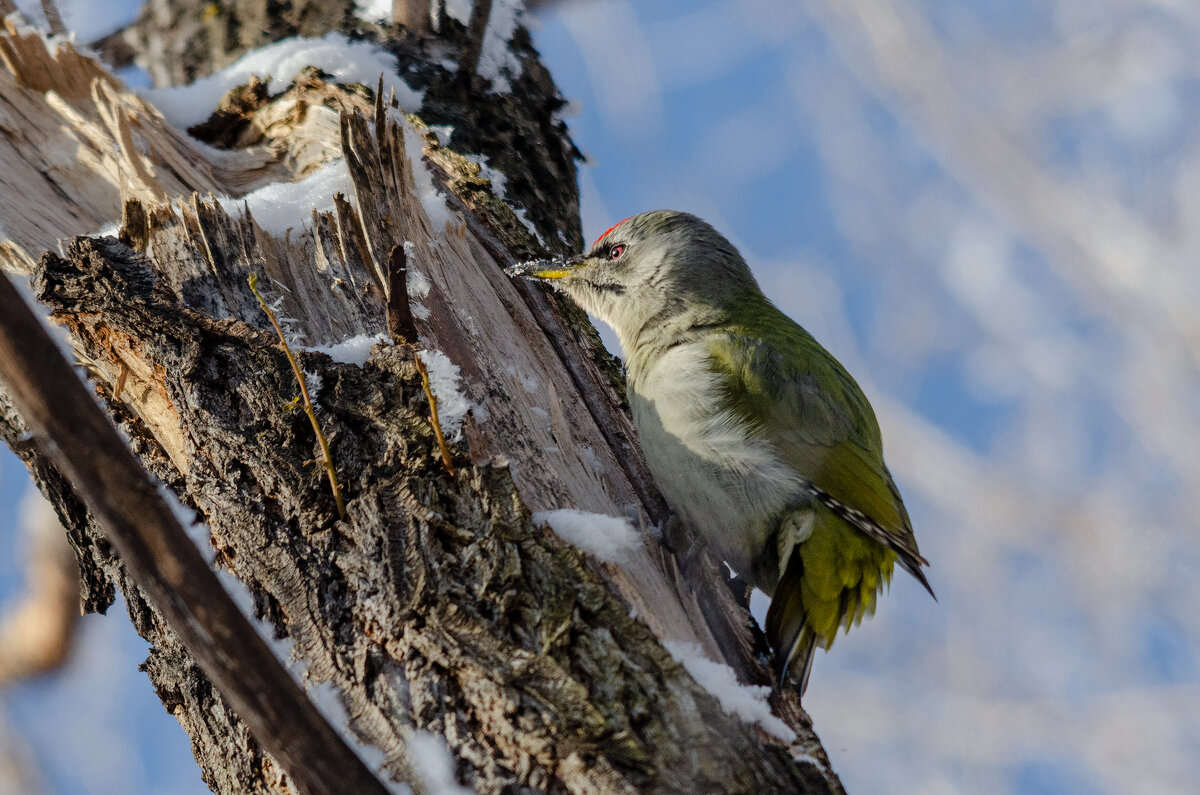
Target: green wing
[(800, 400), (804, 403)]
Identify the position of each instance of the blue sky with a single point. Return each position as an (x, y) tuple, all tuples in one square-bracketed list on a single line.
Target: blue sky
[(991, 229)]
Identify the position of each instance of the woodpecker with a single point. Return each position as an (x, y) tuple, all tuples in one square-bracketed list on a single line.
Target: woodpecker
[(758, 438)]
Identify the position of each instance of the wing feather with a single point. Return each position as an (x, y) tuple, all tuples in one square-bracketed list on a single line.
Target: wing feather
[(801, 401)]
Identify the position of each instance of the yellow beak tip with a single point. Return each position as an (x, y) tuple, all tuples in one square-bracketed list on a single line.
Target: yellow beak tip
[(550, 274)]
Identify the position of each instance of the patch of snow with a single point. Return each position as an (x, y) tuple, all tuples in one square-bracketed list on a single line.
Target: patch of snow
[(494, 176), (355, 350), (530, 384), (480, 411), (373, 10), (452, 405), (433, 763), (608, 538), (460, 10), (747, 702), (497, 62), (432, 201), (313, 383), (295, 337), (443, 132), (348, 61), (418, 285), (284, 205), (520, 213), (417, 290), (590, 458), (499, 184)]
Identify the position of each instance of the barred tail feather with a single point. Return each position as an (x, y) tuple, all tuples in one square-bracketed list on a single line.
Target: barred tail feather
[(904, 547)]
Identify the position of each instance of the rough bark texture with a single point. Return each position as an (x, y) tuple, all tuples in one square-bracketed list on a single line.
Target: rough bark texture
[(165, 562), (436, 604)]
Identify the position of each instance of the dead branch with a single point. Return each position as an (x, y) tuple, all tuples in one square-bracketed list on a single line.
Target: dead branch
[(164, 561)]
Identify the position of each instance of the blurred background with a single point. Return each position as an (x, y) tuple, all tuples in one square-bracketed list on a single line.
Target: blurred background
[(986, 209)]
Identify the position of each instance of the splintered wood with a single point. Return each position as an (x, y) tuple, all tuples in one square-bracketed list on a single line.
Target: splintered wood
[(328, 276), (77, 143), (86, 153), (327, 286)]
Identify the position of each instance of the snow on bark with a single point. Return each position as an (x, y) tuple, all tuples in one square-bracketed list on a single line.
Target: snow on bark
[(348, 61), (608, 538)]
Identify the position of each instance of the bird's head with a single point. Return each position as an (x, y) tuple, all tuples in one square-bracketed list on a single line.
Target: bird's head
[(655, 267)]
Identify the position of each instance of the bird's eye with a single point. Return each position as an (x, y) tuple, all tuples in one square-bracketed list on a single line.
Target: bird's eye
[(616, 251)]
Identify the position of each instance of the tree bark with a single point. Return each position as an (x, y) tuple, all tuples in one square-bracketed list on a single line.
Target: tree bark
[(436, 604)]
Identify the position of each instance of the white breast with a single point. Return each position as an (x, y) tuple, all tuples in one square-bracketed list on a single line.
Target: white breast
[(724, 482)]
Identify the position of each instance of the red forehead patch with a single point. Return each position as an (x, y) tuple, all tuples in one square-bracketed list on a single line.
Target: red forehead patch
[(606, 231)]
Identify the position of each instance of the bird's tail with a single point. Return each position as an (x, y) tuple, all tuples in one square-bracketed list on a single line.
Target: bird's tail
[(788, 633), (830, 581)]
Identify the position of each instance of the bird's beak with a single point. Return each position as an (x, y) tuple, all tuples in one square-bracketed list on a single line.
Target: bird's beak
[(548, 268)]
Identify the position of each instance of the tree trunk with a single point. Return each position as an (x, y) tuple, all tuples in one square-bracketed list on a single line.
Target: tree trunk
[(436, 604)]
